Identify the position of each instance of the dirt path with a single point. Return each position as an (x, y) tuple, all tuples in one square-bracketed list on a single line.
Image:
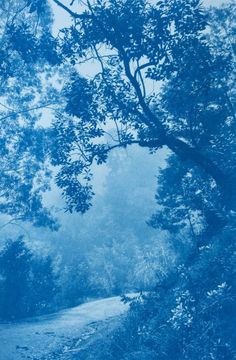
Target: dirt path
[(52, 336)]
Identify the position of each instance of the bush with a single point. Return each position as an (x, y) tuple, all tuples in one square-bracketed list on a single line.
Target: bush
[(27, 282)]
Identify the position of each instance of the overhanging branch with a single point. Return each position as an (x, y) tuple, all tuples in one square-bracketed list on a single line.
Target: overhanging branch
[(70, 12)]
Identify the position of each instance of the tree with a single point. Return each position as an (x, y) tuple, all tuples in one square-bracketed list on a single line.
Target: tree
[(15, 272), (43, 285), (74, 282), (28, 281), (158, 80), (135, 44), (187, 195), (27, 54)]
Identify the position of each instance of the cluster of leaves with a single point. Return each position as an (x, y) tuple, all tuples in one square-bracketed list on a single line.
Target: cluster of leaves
[(188, 199), (31, 48), (40, 6)]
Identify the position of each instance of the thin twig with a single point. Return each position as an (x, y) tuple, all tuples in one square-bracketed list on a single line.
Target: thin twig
[(72, 13)]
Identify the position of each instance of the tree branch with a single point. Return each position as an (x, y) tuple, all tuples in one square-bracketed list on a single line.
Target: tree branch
[(160, 134), (141, 79), (70, 12), (25, 111), (178, 146), (143, 66)]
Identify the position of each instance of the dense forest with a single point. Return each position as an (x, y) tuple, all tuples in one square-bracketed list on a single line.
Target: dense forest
[(118, 169)]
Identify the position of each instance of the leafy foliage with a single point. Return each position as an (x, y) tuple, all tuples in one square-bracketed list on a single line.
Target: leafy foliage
[(27, 48), (188, 109), (162, 76), (28, 282)]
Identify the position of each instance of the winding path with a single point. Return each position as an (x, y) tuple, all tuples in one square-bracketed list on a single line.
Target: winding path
[(47, 336)]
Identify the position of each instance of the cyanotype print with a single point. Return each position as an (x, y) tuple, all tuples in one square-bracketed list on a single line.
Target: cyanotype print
[(118, 179)]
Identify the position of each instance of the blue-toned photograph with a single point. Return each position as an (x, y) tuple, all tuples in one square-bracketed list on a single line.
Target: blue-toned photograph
[(117, 180)]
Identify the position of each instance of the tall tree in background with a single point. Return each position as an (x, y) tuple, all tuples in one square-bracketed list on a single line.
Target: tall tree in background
[(28, 282), (15, 271)]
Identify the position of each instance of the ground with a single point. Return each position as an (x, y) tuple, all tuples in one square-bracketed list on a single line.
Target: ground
[(62, 335)]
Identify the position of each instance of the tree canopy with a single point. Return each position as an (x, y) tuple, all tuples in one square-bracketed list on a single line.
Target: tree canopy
[(28, 52), (158, 76), (159, 80)]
